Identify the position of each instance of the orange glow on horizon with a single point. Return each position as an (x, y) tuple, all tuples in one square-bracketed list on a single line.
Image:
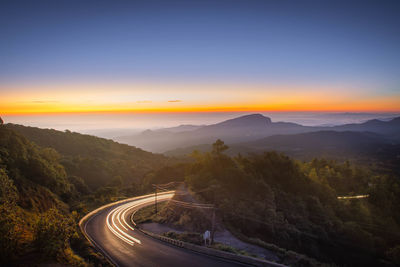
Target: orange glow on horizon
[(183, 98), (190, 110)]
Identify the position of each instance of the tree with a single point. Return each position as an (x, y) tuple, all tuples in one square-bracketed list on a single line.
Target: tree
[(219, 147), (313, 175), (53, 231), (9, 219), (1, 121), (8, 192)]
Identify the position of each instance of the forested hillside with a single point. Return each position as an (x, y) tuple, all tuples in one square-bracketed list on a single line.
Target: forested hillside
[(37, 225), (97, 161), (46, 189), (270, 198)]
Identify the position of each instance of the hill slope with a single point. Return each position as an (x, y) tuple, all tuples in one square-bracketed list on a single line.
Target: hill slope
[(321, 142), (96, 160), (35, 218)]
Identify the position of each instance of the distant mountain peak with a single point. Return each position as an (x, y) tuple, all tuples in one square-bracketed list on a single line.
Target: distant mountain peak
[(247, 120)]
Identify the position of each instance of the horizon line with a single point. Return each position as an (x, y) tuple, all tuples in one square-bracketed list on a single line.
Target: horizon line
[(205, 110)]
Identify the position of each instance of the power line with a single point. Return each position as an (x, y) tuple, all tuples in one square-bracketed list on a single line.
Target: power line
[(191, 204)]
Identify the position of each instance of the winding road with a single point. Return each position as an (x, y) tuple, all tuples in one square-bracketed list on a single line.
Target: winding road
[(111, 231)]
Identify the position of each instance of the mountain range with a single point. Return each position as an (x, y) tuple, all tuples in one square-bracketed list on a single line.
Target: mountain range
[(256, 131)]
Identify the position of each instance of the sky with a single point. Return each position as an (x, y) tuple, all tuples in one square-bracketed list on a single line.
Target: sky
[(141, 57)]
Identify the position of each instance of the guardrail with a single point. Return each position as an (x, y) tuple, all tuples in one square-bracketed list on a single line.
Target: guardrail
[(210, 251)]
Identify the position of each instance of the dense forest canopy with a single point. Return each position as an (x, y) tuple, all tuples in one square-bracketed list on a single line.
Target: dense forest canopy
[(34, 185), (294, 204)]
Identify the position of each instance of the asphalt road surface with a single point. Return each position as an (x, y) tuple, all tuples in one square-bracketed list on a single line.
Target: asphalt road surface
[(112, 232)]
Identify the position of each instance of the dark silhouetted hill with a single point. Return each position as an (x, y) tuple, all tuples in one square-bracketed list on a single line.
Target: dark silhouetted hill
[(389, 128), (363, 147)]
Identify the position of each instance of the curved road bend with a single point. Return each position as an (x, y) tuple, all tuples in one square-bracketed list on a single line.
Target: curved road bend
[(113, 233)]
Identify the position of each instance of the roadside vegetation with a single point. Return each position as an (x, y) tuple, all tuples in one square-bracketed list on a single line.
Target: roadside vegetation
[(147, 214)]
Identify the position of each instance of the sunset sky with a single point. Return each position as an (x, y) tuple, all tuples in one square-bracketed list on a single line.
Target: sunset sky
[(169, 56)]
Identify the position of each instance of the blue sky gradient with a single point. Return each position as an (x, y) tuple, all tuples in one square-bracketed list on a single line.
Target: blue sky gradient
[(330, 42)]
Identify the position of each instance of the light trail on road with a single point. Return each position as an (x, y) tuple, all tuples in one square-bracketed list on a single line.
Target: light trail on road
[(116, 218), (111, 230), (353, 197)]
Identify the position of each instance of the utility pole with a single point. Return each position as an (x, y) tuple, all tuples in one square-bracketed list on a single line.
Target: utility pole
[(213, 226), (213, 217), (156, 199)]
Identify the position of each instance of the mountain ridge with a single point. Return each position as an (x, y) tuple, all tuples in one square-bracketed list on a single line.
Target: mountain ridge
[(245, 129), (361, 147)]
